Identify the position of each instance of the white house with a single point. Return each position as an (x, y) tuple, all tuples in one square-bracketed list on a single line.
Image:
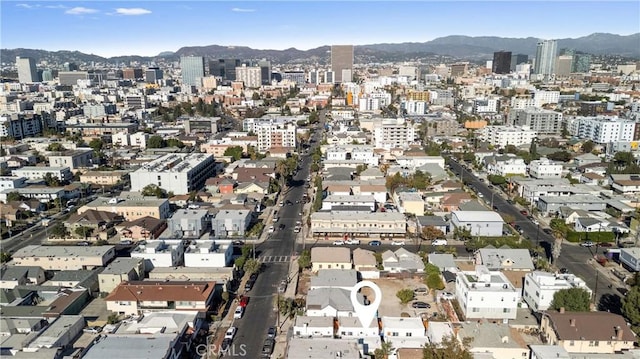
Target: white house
[(506, 165), (486, 294), (330, 302), (545, 168), (539, 288), (207, 253), (402, 261), (413, 162), (404, 332), (160, 253), (334, 278), (479, 223), (309, 327), (630, 258), (351, 327), (352, 200), (436, 331)]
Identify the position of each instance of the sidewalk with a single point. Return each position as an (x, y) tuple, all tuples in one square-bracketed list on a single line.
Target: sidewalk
[(282, 339)]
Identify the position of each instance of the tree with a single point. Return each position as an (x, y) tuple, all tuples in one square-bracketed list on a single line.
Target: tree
[(304, 261), (433, 281), (56, 147), (59, 231), (5, 257), (386, 348), (631, 307), (405, 295), (252, 266), (588, 146), (156, 141), (533, 149), (96, 145), (572, 300), (174, 142), (240, 261), (430, 233), (152, 190), (234, 151), (563, 156), (449, 348), (83, 231), (51, 181), (13, 196)]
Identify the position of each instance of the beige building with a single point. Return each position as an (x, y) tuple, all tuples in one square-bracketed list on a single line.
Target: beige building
[(131, 206), (103, 178), (411, 203), (120, 270), (587, 332), (366, 225), (74, 159), (330, 258), (64, 257)]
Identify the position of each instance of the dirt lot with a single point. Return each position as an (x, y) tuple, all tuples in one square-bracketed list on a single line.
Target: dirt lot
[(391, 306)]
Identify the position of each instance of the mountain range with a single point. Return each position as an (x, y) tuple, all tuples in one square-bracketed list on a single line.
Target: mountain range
[(456, 46)]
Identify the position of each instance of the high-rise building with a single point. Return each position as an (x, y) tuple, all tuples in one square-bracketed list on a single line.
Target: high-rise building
[(581, 63), (517, 60), (546, 53), (192, 70), (265, 72), (153, 74), (294, 76), (272, 135), (545, 122), (563, 65), (27, 72), (501, 62), (250, 76), (132, 74), (341, 59)]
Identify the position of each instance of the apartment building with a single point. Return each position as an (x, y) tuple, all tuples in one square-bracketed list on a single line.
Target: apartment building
[(176, 172), (64, 257), (393, 133), (366, 225), (350, 155), (11, 182), (539, 287), (545, 168), (120, 270), (602, 129), (501, 136), (160, 253), (250, 76), (206, 253), (272, 135), (131, 206), (19, 126), (103, 178), (74, 159), (485, 294), (63, 174), (542, 121)]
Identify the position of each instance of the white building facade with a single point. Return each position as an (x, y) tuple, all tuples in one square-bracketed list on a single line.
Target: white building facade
[(485, 294)]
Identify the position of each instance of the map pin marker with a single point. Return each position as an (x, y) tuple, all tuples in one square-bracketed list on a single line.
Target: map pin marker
[(366, 313)]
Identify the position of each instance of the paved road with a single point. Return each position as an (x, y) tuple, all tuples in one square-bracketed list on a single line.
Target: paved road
[(573, 257), (275, 253)]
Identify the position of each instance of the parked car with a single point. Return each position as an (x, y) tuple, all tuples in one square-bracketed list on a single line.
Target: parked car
[(338, 243), (420, 305), (238, 313), (248, 286), (397, 243), (564, 271), (267, 347), (296, 230), (447, 295), (244, 300), (375, 243), (271, 229), (352, 241), (605, 244), (439, 242), (231, 332), (271, 332), (587, 244), (420, 291), (282, 226), (92, 330), (282, 287), (524, 213)]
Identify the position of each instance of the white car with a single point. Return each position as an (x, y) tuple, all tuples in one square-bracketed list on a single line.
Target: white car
[(231, 332), (271, 229), (397, 243), (296, 230), (447, 296), (238, 313), (338, 243), (352, 241)]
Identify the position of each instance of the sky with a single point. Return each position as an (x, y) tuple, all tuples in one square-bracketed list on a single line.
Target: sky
[(115, 28)]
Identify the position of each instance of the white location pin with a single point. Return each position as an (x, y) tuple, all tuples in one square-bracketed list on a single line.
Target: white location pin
[(366, 313)]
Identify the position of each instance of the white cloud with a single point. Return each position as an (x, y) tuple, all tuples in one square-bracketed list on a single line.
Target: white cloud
[(79, 10), (55, 6), (237, 9), (132, 11), (27, 6)]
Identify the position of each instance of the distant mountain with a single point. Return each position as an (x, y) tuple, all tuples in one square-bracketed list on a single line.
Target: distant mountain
[(472, 48)]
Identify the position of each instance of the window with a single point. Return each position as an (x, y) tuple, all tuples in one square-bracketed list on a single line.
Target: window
[(394, 334), (408, 334)]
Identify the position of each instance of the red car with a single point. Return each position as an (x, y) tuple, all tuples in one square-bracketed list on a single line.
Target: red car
[(524, 213), (244, 300)]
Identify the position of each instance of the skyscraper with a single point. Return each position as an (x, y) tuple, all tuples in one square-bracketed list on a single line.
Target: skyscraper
[(265, 71), (153, 74), (517, 60), (581, 63), (192, 70), (546, 53), (501, 62), (27, 72), (341, 59)]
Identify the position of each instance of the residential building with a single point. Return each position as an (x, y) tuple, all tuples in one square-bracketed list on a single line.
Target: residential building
[(366, 225), (272, 135), (206, 253), (545, 62), (27, 71), (303, 348), (157, 345), (364, 261), (604, 129), (501, 62), (189, 223), (548, 352), (402, 261), (342, 62), (630, 258), (64, 257), (120, 270), (545, 168), (12, 276), (544, 122), (504, 165), (334, 278), (74, 159), (192, 70), (103, 178), (501, 136), (330, 258), (625, 183), (401, 329), (392, 133), (478, 223), (59, 334), (130, 206), (540, 287), (331, 302), (587, 332), (411, 203), (352, 328), (142, 228), (179, 173), (495, 340), (132, 298), (231, 223), (485, 294), (12, 182), (548, 205), (333, 200), (160, 253), (313, 327), (63, 174), (511, 259), (250, 76), (20, 126)]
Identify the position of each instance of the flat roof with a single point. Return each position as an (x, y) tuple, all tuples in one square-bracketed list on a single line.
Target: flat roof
[(62, 251), (304, 348), (131, 346), (175, 163)]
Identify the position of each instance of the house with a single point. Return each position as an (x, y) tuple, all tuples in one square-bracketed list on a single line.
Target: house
[(253, 187), (220, 185), (630, 258), (548, 352), (593, 179), (12, 276), (131, 298), (330, 258), (402, 261), (452, 201), (103, 178), (378, 191), (589, 224), (189, 223), (231, 222), (410, 203), (486, 294), (586, 159), (505, 259), (131, 206), (351, 327), (331, 302), (120, 270), (444, 261), (142, 228), (365, 225), (64, 257), (437, 331), (160, 253), (436, 222), (539, 288), (96, 220), (625, 183), (364, 261), (206, 253), (334, 278), (404, 332), (371, 173), (62, 332), (313, 326), (32, 206), (304, 348), (505, 165), (545, 168), (478, 223), (497, 340), (587, 332), (87, 279)]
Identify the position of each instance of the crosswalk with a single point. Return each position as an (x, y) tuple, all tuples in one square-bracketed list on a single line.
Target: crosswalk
[(274, 259)]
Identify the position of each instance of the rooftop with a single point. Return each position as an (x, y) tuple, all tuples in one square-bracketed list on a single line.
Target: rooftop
[(175, 163), (131, 346), (162, 291), (62, 251)]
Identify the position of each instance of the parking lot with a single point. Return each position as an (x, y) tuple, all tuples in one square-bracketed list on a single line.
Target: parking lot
[(391, 305)]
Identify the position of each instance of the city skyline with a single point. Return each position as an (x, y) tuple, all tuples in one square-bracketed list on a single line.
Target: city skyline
[(148, 28)]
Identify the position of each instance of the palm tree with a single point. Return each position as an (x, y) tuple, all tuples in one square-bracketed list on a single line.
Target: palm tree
[(386, 348)]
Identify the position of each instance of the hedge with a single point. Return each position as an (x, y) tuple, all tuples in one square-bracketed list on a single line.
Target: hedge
[(573, 236)]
